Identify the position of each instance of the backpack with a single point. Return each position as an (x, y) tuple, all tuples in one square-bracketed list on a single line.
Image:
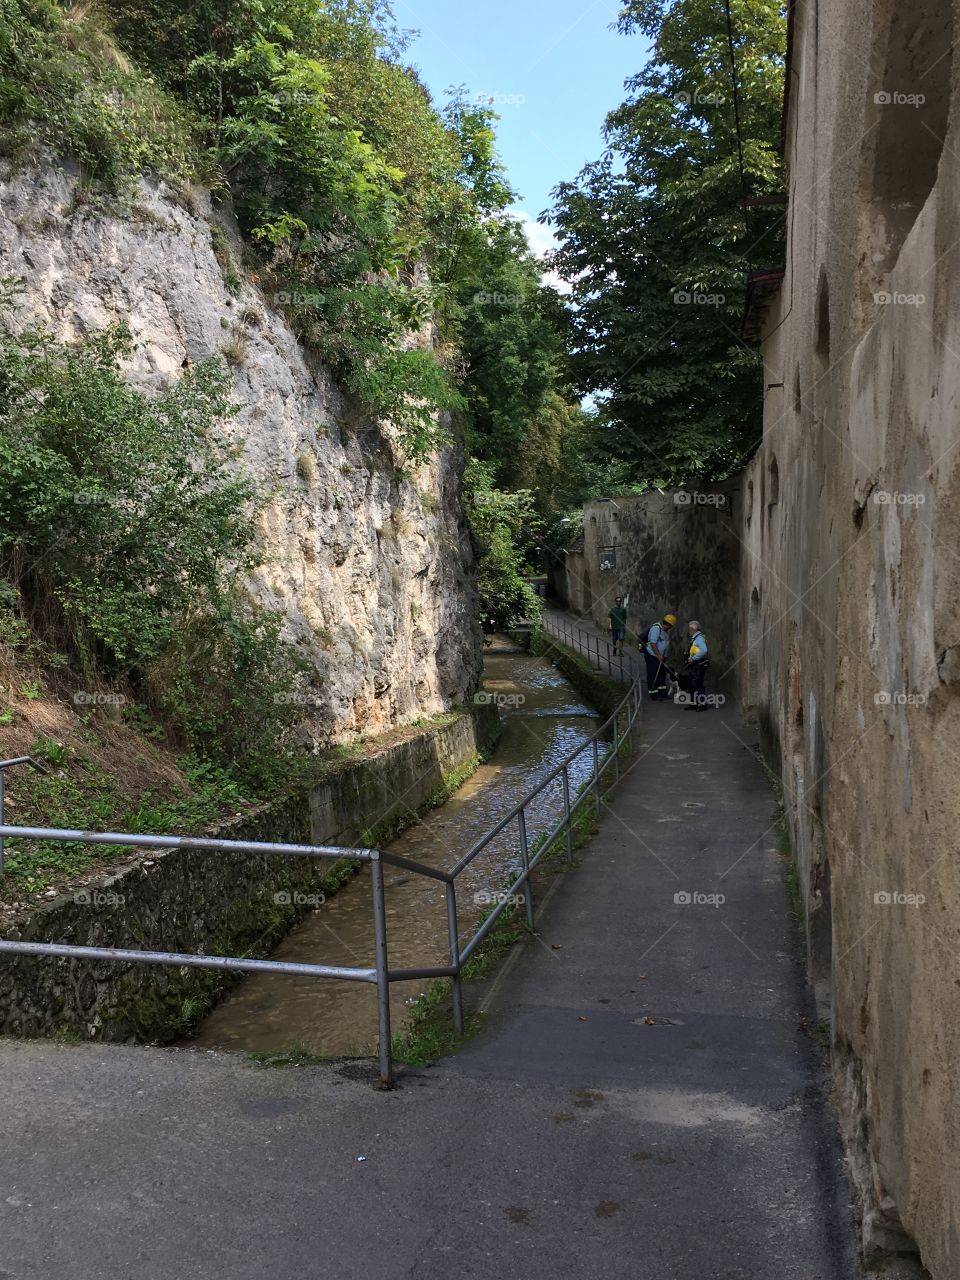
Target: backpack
[(645, 635)]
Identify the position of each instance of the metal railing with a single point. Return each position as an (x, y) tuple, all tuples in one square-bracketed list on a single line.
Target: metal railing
[(616, 732), (595, 648)]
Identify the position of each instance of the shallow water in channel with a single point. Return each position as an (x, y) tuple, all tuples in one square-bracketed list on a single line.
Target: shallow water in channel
[(277, 1012)]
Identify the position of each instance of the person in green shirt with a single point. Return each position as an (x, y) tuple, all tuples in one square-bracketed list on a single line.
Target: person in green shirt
[(618, 624)]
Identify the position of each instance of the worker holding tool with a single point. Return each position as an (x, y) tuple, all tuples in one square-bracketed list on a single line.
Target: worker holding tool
[(654, 654), (697, 668)]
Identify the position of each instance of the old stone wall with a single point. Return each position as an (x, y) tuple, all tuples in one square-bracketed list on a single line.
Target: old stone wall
[(850, 586), (674, 552), (212, 903), (842, 574), (371, 570)]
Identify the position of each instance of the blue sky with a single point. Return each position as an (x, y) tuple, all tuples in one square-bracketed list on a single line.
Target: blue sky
[(553, 67)]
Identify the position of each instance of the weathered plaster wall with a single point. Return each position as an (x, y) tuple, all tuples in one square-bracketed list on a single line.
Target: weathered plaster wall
[(372, 572), (674, 552), (192, 902), (850, 586)]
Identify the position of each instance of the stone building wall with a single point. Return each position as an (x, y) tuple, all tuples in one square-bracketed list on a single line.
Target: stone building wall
[(840, 567), (850, 586), (674, 552)]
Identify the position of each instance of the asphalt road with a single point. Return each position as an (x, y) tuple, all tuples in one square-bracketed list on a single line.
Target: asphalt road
[(644, 1104)]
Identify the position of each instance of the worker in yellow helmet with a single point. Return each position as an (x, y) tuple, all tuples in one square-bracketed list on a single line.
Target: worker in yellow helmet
[(654, 654)]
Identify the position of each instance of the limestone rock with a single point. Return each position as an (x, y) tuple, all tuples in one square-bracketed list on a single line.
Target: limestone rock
[(372, 573)]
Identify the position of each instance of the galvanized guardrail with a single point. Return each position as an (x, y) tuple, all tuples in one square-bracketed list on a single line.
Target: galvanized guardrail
[(617, 730)]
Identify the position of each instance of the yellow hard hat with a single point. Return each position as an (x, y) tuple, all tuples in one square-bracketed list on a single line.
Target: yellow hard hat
[(670, 619)]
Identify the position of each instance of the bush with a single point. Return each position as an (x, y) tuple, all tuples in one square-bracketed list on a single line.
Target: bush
[(123, 508)]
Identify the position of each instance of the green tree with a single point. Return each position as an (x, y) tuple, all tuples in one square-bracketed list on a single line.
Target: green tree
[(659, 222), (500, 523)]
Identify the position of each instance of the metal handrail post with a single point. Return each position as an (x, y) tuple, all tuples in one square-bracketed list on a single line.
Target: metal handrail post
[(383, 972), (596, 774), (525, 860), (456, 981), (616, 745), (566, 809), (609, 662), (8, 764)]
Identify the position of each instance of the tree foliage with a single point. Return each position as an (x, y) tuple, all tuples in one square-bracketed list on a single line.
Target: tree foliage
[(500, 522), (655, 239)]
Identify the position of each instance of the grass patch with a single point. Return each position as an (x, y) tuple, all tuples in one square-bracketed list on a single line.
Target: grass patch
[(429, 1034), (89, 798)]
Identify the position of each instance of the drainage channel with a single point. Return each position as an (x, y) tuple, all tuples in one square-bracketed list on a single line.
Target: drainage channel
[(544, 719)]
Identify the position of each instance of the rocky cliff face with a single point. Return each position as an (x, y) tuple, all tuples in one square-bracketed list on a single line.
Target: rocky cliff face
[(371, 570)]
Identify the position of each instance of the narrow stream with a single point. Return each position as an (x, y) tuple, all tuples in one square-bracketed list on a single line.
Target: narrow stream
[(544, 719)]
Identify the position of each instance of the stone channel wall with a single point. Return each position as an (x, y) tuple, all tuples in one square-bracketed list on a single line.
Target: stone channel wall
[(211, 903)]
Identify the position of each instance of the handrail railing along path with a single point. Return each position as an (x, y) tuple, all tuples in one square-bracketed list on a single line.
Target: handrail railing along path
[(618, 729)]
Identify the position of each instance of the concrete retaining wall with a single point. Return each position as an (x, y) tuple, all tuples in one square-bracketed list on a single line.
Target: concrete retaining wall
[(192, 902)]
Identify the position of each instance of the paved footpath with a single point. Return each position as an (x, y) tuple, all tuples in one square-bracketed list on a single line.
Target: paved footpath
[(644, 1104)]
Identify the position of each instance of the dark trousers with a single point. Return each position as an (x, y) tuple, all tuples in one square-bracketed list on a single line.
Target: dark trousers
[(696, 674), (656, 673)]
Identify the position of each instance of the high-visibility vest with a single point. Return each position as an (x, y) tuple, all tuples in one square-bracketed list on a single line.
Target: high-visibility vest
[(698, 647)]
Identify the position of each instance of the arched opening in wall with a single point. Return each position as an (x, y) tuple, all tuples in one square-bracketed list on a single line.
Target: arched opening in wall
[(773, 485), (913, 43), (823, 317), (797, 398), (749, 502)]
